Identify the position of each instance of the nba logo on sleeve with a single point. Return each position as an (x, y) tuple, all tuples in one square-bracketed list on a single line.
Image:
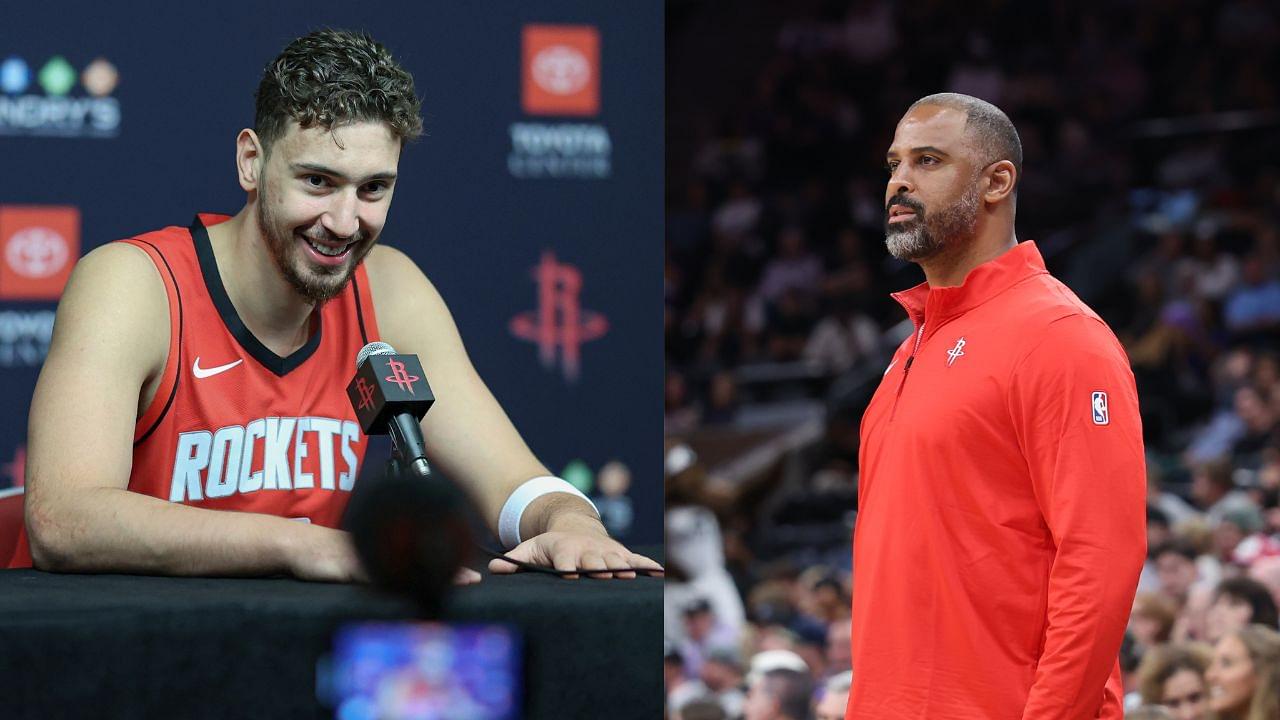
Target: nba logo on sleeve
[(1101, 416)]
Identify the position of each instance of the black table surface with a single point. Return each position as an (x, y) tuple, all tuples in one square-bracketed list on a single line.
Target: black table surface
[(90, 646)]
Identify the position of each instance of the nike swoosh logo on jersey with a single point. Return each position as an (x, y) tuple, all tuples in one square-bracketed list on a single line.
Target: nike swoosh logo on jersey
[(210, 372)]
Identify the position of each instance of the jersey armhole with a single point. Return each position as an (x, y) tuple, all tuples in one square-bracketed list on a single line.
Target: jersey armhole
[(365, 315), (159, 406)]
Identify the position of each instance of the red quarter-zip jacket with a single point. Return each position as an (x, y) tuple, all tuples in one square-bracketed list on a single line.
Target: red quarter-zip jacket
[(1001, 507)]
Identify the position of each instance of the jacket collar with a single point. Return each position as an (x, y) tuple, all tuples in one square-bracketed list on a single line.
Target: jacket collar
[(980, 285)]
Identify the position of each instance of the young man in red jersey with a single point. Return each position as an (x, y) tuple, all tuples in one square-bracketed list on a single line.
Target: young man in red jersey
[(1000, 529), (203, 369)]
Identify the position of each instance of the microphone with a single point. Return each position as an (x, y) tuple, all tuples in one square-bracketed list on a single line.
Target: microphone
[(411, 531), (390, 395)]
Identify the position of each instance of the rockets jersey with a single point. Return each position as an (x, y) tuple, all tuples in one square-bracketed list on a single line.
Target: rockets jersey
[(233, 426)]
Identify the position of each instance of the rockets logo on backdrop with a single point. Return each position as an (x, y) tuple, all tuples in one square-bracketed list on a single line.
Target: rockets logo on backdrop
[(560, 77), (44, 100), (559, 323)]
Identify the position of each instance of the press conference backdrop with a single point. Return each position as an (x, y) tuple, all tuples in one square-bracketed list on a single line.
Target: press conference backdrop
[(533, 201)]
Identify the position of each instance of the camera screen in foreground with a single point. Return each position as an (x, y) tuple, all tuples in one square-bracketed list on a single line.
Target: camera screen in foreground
[(423, 671)]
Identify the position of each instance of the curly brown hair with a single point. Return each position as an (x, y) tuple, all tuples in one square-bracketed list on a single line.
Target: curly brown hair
[(331, 78)]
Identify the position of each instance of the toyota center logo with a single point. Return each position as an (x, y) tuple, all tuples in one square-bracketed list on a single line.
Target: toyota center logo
[(39, 245), (561, 70), (560, 77), (36, 252)]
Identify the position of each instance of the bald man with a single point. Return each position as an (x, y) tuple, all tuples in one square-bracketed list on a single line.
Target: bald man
[(1000, 532)]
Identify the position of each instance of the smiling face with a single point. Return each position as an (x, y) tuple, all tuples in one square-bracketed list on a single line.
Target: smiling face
[(323, 198), (1230, 677), (933, 194)]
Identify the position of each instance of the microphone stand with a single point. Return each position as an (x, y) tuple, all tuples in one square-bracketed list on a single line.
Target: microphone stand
[(399, 463)]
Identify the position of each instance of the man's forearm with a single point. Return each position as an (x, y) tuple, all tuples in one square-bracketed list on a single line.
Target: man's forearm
[(115, 530)]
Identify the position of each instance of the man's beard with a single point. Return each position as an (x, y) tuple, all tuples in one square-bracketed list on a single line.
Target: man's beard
[(317, 283), (925, 235)]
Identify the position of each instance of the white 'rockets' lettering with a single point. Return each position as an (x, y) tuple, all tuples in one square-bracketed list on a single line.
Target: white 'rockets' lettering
[(276, 453), (301, 479), (191, 458), (220, 464)]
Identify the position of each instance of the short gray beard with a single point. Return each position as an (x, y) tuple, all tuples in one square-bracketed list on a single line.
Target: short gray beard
[(922, 239)]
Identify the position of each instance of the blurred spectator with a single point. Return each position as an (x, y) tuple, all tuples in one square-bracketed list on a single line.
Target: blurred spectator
[(722, 404), (1151, 620), (1172, 676), (1234, 527), (1216, 491), (679, 687), (1149, 712), (695, 557), (839, 652), (1172, 508), (1266, 570), (1254, 306), (738, 215), (842, 339), (1244, 677), (1176, 568), (781, 694), (1158, 533), (703, 632), (835, 697), (1238, 603), (701, 709), (793, 268), (722, 674)]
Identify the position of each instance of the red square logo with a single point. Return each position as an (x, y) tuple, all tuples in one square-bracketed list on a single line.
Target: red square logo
[(39, 244), (561, 70)]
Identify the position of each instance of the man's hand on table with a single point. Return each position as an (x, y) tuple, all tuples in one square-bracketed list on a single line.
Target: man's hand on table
[(328, 555), (322, 554), (578, 545)]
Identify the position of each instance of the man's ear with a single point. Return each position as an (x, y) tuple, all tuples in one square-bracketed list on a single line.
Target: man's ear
[(1002, 176), (250, 158)]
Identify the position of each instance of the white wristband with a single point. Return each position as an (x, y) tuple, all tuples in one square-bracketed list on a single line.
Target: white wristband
[(513, 509)]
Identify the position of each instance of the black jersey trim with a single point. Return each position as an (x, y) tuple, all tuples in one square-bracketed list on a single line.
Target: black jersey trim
[(355, 287), (177, 377), (281, 366)]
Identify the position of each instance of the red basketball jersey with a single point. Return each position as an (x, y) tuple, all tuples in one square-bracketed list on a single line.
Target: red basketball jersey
[(233, 426)]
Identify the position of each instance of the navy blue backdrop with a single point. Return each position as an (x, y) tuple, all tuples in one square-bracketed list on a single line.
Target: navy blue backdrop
[(133, 128)]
